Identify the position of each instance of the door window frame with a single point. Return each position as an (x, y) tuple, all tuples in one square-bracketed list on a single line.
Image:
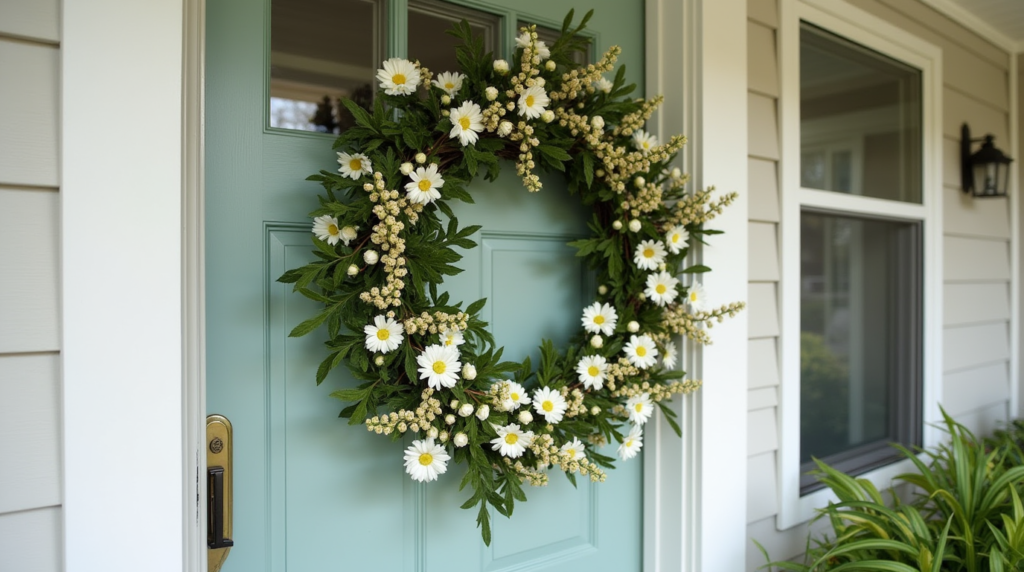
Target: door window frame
[(860, 27)]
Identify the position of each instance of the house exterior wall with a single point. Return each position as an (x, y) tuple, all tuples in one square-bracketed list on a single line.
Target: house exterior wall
[(976, 248), (30, 382)]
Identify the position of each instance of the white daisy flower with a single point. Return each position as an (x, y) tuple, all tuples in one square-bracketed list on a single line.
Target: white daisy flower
[(601, 84), (399, 77), (641, 351), (450, 82), (439, 365), (354, 166), (533, 101), (541, 48), (640, 408), (452, 337), (511, 441), (644, 141), (348, 234), (599, 318), (668, 359), (574, 449), (383, 335), (326, 228), (677, 239), (696, 297), (632, 443), (424, 460), (550, 404), (517, 396), (592, 371), (467, 121), (425, 185), (649, 254), (661, 288)]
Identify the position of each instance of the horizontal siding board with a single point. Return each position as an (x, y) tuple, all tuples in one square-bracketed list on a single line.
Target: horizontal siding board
[(762, 127), (763, 257), (981, 79), (762, 308), (762, 63), (762, 431), (967, 347), (958, 109), (30, 431), (973, 389), (762, 363), (761, 398), (29, 268), (763, 11), (984, 218), (951, 161), (762, 488), (33, 19), (975, 259), (780, 544), (30, 541), (763, 188), (974, 303), (986, 420), (28, 117)]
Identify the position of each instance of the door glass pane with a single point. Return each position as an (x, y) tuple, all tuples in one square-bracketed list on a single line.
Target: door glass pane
[(860, 119), (860, 333), (321, 50), (429, 20)]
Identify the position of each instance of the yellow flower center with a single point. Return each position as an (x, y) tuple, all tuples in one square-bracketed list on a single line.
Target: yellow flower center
[(640, 351), (648, 253), (629, 443), (547, 406), (593, 371), (464, 123), (599, 319), (449, 85), (332, 229), (511, 438), (647, 145), (514, 396), (424, 185), (693, 296), (398, 79), (675, 238), (383, 334), (529, 101), (426, 459), (660, 288), (355, 164), (571, 452), (639, 407), (439, 367)]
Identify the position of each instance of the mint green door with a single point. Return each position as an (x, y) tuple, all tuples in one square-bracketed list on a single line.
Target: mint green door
[(310, 491)]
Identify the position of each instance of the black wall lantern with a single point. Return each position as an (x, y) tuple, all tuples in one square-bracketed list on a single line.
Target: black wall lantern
[(985, 173)]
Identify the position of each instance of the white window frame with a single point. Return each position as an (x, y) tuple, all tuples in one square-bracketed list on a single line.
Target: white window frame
[(858, 26)]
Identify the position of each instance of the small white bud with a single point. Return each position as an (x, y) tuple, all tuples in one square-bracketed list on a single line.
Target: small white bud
[(491, 92), (442, 436), (540, 81), (634, 225), (379, 360), (641, 296), (501, 66), (599, 172), (595, 410), (504, 128), (469, 372), (676, 173), (597, 341), (352, 270), (370, 257), (633, 327), (421, 158), (466, 410), (639, 182), (432, 432), (617, 225), (349, 233), (548, 116), (454, 404), (662, 266), (406, 168), (368, 187), (602, 289), (460, 439), (597, 122), (550, 65), (483, 412), (449, 419), (446, 99), (525, 417)]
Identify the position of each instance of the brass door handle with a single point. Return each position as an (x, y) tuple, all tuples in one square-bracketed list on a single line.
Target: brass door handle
[(219, 491), (215, 509)]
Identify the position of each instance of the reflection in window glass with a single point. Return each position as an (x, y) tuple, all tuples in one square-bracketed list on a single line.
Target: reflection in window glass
[(429, 20), (860, 336), (860, 119), (312, 64)]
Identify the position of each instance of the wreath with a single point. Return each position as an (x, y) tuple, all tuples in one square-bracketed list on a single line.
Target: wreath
[(385, 237)]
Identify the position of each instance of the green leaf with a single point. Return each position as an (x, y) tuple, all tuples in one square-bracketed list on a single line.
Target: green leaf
[(311, 324)]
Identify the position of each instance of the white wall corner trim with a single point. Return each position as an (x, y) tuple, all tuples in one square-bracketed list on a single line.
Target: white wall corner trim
[(851, 22)]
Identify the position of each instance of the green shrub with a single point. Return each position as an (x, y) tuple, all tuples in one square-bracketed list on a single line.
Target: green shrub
[(966, 513)]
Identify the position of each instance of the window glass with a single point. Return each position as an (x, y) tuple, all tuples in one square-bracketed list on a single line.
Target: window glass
[(429, 42), (860, 119), (313, 64), (860, 339)]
